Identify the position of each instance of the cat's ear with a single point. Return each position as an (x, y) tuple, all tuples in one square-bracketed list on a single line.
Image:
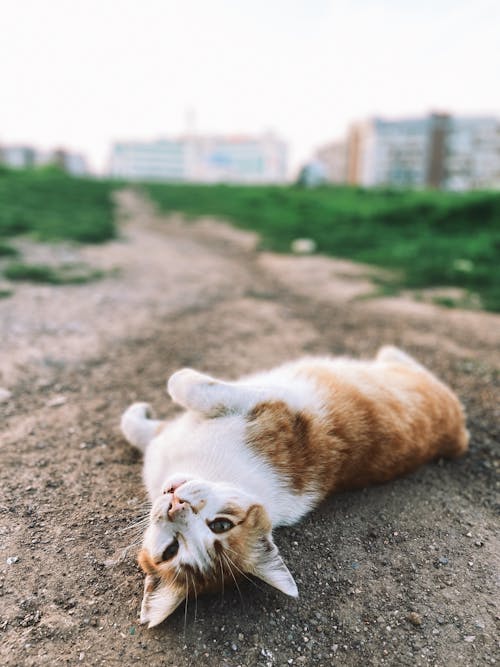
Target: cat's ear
[(270, 568), (210, 397), (159, 601)]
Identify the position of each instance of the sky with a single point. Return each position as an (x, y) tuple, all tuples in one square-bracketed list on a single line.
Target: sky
[(82, 74)]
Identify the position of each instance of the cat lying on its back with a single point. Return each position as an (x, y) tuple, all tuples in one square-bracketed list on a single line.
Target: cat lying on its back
[(261, 452)]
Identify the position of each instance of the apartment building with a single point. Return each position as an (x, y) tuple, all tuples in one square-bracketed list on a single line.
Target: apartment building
[(437, 151), (472, 153), (203, 159)]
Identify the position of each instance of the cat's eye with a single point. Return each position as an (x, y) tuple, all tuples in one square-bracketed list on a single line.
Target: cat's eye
[(220, 525), (170, 551)]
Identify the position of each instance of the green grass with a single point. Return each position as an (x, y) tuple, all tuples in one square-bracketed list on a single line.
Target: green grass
[(6, 250), (50, 205), (65, 274), (430, 239)]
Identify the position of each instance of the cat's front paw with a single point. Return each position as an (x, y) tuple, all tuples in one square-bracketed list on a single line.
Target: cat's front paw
[(140, 411)]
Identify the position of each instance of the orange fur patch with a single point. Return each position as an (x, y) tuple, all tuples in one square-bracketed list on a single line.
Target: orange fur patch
[(374, 429)]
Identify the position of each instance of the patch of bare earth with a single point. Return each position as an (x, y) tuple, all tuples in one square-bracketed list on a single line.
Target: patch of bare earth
[(401, 574)]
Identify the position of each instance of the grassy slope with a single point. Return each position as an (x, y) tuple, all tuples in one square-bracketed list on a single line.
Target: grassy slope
[(433, 239), (51, 205)]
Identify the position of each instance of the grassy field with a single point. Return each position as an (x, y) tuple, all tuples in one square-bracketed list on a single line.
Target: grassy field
[(429, 239), (49, 205)]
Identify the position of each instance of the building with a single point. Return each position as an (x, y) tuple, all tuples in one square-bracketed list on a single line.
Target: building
[(24, 157), (333, 156), (472, 153), (202, 159), (162, 160), (434, 151), (18, 157), (395, 153)]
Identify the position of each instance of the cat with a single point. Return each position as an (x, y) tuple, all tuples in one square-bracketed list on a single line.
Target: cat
[(261, 452)]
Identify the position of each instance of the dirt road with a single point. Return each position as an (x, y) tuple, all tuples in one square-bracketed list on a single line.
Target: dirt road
[(402, 574)]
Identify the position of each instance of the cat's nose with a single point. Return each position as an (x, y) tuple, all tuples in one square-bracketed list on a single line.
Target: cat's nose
[(176, 507)]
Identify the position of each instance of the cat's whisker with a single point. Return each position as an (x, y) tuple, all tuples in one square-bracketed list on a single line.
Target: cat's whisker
[(243, 574), (195, 598), (186, 605), (139, 523), (221, 574), (234, 578)]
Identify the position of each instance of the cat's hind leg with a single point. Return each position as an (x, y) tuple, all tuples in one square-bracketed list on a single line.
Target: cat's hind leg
[(139, 426)]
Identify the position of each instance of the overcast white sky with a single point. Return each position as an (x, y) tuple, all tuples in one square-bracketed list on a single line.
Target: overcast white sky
[(84, 73)]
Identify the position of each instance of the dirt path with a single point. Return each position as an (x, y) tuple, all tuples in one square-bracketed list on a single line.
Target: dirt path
[(402, 574)]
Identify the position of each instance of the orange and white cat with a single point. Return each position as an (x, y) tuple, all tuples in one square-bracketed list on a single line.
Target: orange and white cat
[(247, 456)]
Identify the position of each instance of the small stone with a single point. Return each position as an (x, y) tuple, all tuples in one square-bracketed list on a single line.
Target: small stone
[(81, 656), (335, 648), (303, 246), (443, 560), (479, 543), (414, 618), (234, 647), (5, 395), (56, 401), (469, 639), (12, 559)]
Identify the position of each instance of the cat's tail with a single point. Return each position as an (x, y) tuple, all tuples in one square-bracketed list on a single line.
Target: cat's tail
[(139, 426)]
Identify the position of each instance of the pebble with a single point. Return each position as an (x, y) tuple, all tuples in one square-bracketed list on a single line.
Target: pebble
[(414, 618), (12, 559), (303, 246), (56, 401), (470, 638), (5, 395)]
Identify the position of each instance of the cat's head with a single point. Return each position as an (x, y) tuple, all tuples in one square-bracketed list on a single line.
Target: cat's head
[(203, 536)]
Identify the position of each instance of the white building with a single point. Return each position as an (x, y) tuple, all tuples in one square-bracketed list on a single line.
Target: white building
[(390, 152), (203, 159), (438, 151), (162, 160), (473, 153)]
